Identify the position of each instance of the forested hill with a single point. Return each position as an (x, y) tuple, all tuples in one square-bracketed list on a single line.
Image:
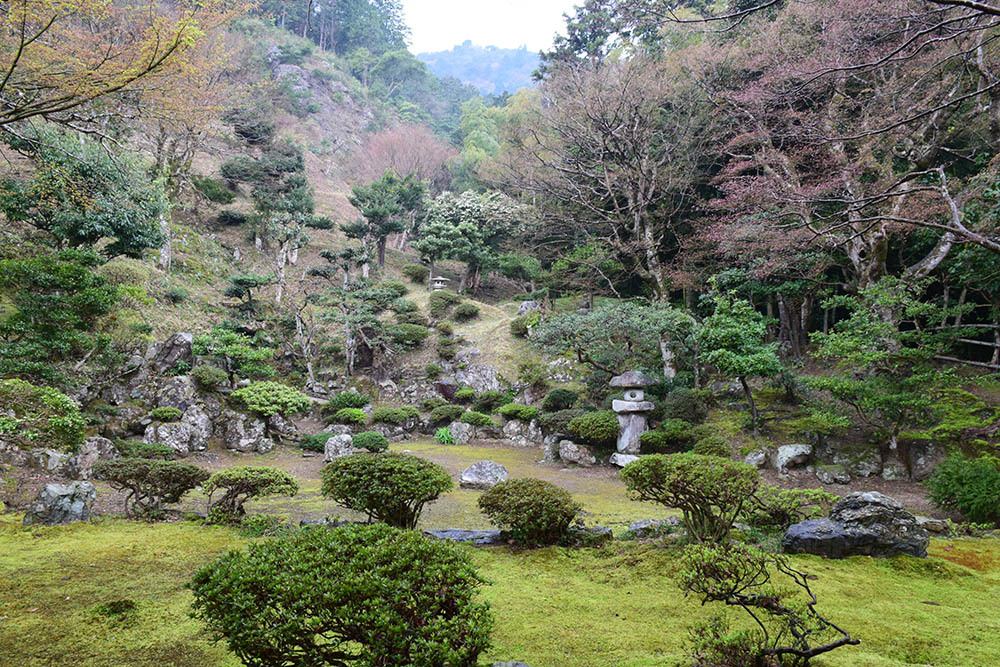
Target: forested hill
[(491, 69)]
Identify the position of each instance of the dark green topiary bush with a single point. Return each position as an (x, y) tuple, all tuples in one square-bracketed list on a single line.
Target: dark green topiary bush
[(272, 398), (386, 597), (672, 436), (446, 414), (466, 311), (373, 441), (444, 328), (428, 404), (559, 399), (347, 399), (244, 483), (969, 486), (389, 487), (165, 414), (400, 306), (524, 413), (533, 511), (314, 443), (558, 422), (416, 273), (433, 371), (394, 416), (713, 445), (490, 401), (465, 395), (447, 348), (350, 417), (440, 302), (478, 419), (209, 378), (416, 318), (394, 287), (710, 491), (408, 335), (150, 483), (596, 428), (686, 404)]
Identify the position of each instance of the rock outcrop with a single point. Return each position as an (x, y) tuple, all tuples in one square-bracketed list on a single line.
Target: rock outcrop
[(337, 447), (860, 524), (61, 503), (581, 455), (483, 475)]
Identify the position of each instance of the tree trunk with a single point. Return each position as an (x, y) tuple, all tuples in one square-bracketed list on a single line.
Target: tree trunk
[(753, 405), (381, 251), (166, 250)]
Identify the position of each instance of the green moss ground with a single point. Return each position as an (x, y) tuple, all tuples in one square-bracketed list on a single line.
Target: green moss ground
[(616, 606)]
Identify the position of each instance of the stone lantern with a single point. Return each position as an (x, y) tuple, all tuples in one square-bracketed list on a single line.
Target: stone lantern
[(632, 410), (438, 283)]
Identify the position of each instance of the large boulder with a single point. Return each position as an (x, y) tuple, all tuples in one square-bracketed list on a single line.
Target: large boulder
[(61, 503), (283, 428), (461, 432), (757, 458), (177, 392), (337, 447), (528, 306), (481, 377), (581, 455), (91, 451), (622, 460), (483, 475), (190, 434), (860, 524), (523, 434), (166, 355), (245, 434), (792, 456)]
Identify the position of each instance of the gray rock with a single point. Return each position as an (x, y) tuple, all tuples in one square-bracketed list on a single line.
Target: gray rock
[(477, 537), (757, 458), (581, 455), (550, 447), (937, 526), (832, 475), (92, 450), (622, 460), (175, 435), (925, 457), (177, 392), (650, 527), (338, 429), (338, 446), (860, 524), (528, 306), (283, 427), (481, 377), (591, 535), (792, 456), (50, 460), (174, 349), (446, 388), (392, 432), (245, 434), (630, 426), (633, 379), (893, 471), (200, 425), (483, 475), (61, 503), (857, 460), (521, 434), (462, 432)]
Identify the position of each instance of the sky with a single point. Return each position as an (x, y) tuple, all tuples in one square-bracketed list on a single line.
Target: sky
[(438, 25)]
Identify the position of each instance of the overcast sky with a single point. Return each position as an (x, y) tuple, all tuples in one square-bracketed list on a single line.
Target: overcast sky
[(438, 25)]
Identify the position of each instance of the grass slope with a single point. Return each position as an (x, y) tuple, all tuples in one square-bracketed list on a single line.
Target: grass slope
[(593, 608)]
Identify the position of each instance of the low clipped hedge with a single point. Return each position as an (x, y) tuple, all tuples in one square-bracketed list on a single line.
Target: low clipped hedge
[(166, 413), (446, 414), (408, 335), (598, 428), (416, 273), (394, 416), (713, 445), (314, 443), (490, 401), (373, 441), (389, 487), (346, 399), (465, 395), (478, 419), (519, 412), (350, 417), (466, 311), (670, 437), (558, 422), (440, 302), (534, 512), (272, 398)]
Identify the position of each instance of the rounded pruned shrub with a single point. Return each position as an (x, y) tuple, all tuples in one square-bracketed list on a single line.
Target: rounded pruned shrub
[(347, 399), (672, 436), (447, 348), (417, 273), (150, 483), (401, 306), (491, 400), (558, 422), (465, 395), (394, 287), (395, 415), (166, 413), (597, 428), (350, 417), (444, 328), (710, 491), (478, 419), (145, 450), (713, 445), (416, 318), (775, 508), (521, 326), (373, 441), (209, 377), (389, 487), (466, 311), (433, 371), (686, 404), (34, 416), (524, 413), (446, 414), (428, 404), (534, 512), (968, 486), (272, 398), (385, 597), (440, 302), (408, 335), (559, 399), (244, 483), (315, 442)]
